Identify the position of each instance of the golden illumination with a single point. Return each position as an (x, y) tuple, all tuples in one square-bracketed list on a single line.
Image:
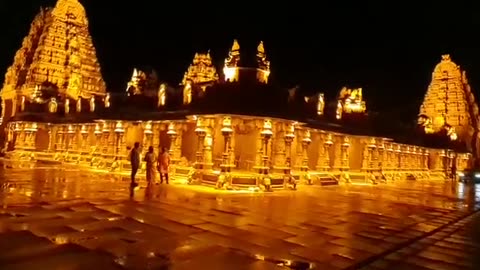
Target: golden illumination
[(67, 106), (162, 95), (137, 82), (352, 100), (92, 104), (187, 93), (230, 69), (78, 106), (52, 105), (320, 104), (63, 55), (263, 71), (201, 70), (106, 100), (449, 101)]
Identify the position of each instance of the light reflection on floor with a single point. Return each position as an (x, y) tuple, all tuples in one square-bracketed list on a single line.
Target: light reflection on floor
[(90, 218)]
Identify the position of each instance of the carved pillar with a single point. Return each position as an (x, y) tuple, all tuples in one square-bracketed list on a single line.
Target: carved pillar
[(84, 135), (265, 134), (106, 138), (98, 138), (119, 132), (51, 137), (398, 157), (306, 140), (175, 133), (227, 133), (381, 155), (201, 133), (323, 163), (425, 155), (147, 136), (368, 155), (389, 157), (288, 139), (208, 148), (70, 138), (345, 154), (59, 138)]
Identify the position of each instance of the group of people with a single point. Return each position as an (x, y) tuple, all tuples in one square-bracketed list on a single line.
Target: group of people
[(153, 164)]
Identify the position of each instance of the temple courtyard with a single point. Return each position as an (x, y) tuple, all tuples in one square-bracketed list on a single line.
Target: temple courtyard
[(64, 218)]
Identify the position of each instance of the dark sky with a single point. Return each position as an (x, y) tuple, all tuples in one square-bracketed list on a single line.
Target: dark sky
[(388, 48)]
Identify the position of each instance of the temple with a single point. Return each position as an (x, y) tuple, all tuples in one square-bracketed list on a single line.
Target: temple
[(57, 55), (234, 130), (449, 105)]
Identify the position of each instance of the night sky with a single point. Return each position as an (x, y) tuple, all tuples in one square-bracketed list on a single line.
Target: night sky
[(388, 49)]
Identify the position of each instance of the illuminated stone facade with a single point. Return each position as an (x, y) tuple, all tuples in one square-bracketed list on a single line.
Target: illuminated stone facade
[(57, 52), (273, 142), (449, 103)]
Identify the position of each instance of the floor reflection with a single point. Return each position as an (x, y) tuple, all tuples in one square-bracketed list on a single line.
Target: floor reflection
[(185, 227)]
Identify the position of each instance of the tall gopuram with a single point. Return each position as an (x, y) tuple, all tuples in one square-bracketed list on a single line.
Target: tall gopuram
[(450, 104), (58, 53)]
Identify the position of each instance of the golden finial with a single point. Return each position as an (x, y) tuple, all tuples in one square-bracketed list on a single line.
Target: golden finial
[(446, 57), (260, 48), (235, 46)]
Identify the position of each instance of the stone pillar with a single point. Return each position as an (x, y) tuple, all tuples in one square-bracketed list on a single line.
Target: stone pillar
[(51, 137), (156, 136), (389, 157), (227, 133), (84, 138), (174, 132), (201, 133), (208, 149), (119, 134), (398, 156), (147, 136), (306, 140), (344, 155), (266, 134), (381, 155), (368, 155), (323, 163), (288, 138), (70, 143), (97, 132), (106, 138)]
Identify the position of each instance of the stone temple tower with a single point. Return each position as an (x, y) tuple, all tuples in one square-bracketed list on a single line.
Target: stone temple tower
[(59, 52), (449, 101)]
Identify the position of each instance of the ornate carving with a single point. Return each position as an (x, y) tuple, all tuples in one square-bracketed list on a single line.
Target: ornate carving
[(52, 105), (351, 101), (449, 102), (263, 64), (230, 70), (187, 94), (201, 71), (58, 50), (67, 106), (78, 105), (92, 104), (162, 95)]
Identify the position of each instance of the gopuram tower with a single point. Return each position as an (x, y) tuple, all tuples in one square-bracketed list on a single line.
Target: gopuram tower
[(449, 103), (57, 53)]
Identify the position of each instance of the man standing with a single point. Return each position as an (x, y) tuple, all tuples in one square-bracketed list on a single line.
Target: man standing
[(163, 164), (135, 162)]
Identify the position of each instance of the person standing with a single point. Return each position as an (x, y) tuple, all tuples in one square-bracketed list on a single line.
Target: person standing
[(150, 160), (163, 165), (134, 162)]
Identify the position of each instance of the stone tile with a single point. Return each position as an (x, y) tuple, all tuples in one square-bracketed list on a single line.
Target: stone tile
[(358, 245), (431, 264)]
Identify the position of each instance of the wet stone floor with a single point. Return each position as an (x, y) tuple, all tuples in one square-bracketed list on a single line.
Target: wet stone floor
[(65, 218)]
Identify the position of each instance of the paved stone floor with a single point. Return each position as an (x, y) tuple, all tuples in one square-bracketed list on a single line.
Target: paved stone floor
[(68, 219)]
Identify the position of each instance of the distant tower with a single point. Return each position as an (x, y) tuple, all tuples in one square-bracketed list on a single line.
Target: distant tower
[(230, 70), (201, 72), (263, 68), (449, 101), (58, 51)]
